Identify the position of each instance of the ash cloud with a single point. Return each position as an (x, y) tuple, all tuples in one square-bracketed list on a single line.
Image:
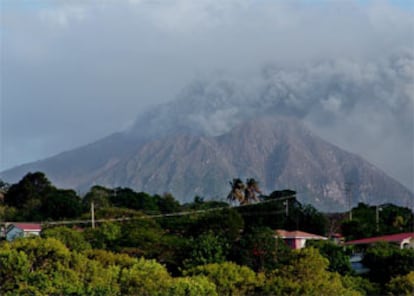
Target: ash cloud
[(364, 107), (73, 72)]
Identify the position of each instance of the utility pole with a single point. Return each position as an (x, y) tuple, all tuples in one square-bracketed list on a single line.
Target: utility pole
[(348, 193), (93, 214), (377, 210), (286, 203)]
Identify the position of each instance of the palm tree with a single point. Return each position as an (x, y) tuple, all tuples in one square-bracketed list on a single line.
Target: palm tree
[(237, 191), (251, 189)]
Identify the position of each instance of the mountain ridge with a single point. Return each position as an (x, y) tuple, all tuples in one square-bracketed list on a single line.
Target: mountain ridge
[(279, 152)]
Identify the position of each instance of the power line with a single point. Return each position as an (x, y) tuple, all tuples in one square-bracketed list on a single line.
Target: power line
[(177, 214)]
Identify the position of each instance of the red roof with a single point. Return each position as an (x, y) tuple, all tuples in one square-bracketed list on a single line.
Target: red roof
[(392, 238), (297, 234), (28, 226)]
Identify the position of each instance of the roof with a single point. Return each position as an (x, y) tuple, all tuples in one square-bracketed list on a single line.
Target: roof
[(28, 226), (297, 234), (392, 238)]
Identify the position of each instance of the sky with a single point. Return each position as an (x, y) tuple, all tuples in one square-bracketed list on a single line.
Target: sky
[(73, 72)]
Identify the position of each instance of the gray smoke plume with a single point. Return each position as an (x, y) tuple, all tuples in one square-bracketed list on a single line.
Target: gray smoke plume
[(73, 72), (365, 107)]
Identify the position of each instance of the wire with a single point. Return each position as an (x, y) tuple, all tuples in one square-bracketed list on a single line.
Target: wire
[(177, 214)]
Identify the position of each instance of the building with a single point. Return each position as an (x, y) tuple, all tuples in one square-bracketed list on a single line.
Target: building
[(297, 239), (402, 240), (16, 230)]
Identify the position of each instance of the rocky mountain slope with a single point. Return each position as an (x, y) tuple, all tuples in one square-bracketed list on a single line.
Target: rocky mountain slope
[(278, 151)]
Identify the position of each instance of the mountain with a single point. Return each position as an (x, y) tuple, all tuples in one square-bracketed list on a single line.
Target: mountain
[(280, 152)]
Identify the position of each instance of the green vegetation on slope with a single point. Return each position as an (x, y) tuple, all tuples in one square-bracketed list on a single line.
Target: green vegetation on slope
[(211, 249)]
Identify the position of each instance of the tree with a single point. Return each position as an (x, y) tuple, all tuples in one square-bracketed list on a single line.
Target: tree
[(14, 270), (306, 274), (28, 195), (99, 195), (338, 259), (167, 203), (173, 251), (353, 229), (260, 250), (207, 248), (36, 266), (146, 277), (270, 214), (225, 222), (107, 258), (229, 278), (284, 214), (402, 285), (192, 286), (39, 266), (377, 220), (200, 204), (105, 236), (140, 238), (4, 187), (35, 198), (73, 239), (113, 212), (128, 198), (313, 221), (361, 285), (33, 186), (395, 219), (60, 204), (386, 261)]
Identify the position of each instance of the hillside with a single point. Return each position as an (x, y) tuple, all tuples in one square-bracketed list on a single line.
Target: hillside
[(279, 152)]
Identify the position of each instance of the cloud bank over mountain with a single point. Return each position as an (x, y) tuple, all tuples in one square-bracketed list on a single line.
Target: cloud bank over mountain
[(73, 72), (365, 107)]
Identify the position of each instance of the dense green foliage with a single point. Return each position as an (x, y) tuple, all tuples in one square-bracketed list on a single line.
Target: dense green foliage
[(402, 285), (73, 239), (336, 255), (371, 221), (306, 274), (205, 249), (260, 250), (198, 248), (229, 278), (38, 266), (386, 261), (36, 199)]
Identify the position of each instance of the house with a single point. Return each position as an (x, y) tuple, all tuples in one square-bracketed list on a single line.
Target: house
[(297, 239), (402, 240), (15, 230)]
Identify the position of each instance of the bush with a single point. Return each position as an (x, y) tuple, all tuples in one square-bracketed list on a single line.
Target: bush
[(146, 277), (73, 239), (386, 261), (401, 285), (192, 286), (306, 274), (229, 278)]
